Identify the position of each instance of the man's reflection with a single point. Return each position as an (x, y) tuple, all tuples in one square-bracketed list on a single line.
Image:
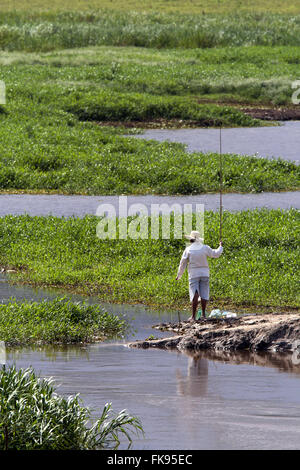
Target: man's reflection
[(195, 383)]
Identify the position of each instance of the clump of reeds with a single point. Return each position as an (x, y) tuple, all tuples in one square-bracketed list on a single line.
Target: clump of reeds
[(34, 417)]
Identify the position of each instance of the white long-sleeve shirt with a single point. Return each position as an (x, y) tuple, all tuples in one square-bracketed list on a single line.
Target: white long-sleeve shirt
[(195, 256)]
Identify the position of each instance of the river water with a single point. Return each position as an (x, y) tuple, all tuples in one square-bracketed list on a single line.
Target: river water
[(211, 401), (269, 142), (79, 206)]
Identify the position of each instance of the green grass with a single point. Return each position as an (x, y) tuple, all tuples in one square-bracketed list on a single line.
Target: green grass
[(82, 159), (58, 321), (241, 74), (34, 417), (44, 147), (182, 6), (258, 267), (46, 31), (113, 106)]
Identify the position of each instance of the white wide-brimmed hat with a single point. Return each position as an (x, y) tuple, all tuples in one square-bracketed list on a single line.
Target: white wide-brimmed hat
[(194, 235)]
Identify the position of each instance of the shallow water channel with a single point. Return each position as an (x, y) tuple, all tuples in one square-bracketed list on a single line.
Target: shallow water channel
[(270, 142), (211, 401), (281, 141), (79, 206)]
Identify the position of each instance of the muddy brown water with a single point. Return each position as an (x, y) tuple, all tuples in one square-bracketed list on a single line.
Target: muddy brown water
[(215, 400)]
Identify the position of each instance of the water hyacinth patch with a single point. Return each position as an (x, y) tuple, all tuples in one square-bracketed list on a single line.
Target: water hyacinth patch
[(259, 265), (112, 106), (63, 155), (57, 321)]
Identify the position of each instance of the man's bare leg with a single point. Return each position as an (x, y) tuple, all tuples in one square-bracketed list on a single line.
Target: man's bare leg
[(203, 305), (194, 306)]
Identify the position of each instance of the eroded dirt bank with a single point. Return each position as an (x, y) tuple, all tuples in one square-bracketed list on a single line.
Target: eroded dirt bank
[(264, 113), (251, 332)]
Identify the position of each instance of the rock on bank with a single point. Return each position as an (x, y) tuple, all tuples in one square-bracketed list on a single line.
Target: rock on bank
[(255, 333)]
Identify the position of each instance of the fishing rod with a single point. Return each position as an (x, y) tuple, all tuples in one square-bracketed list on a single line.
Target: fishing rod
[(221, 184)]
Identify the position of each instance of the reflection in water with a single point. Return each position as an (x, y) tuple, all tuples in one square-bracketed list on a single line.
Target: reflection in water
[(50, 352), (281, 361), (207, 400), (198, 361), (226, 401), (185, 400), (195, 382), (192, 389)]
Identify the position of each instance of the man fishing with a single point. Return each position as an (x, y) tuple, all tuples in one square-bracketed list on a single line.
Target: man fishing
[(195, 256)]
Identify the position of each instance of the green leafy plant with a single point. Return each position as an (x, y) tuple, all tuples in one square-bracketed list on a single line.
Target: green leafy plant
[(34, 417)]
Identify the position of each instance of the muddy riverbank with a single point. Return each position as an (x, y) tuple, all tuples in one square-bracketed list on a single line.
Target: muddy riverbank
[(264, 113), (251, 332), (280, 113)]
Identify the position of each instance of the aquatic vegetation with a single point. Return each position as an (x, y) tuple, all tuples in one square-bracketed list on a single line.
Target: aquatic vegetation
[(34, 417), (244, 74), (84, 160), (112, 106), (57, 321), (46, 31), (46, 144), (45, 148), (259, 265)]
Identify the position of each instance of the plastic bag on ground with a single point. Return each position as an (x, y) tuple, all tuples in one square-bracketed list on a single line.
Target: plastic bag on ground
[(217, 313)]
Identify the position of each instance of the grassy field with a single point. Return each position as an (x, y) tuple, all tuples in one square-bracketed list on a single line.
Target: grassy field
[(32, 31), (46, 145), (58, 321), (258, 268), (183, 6), (257, 75)]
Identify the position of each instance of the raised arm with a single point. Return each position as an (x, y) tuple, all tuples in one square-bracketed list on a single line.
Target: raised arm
[(214, 253)]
